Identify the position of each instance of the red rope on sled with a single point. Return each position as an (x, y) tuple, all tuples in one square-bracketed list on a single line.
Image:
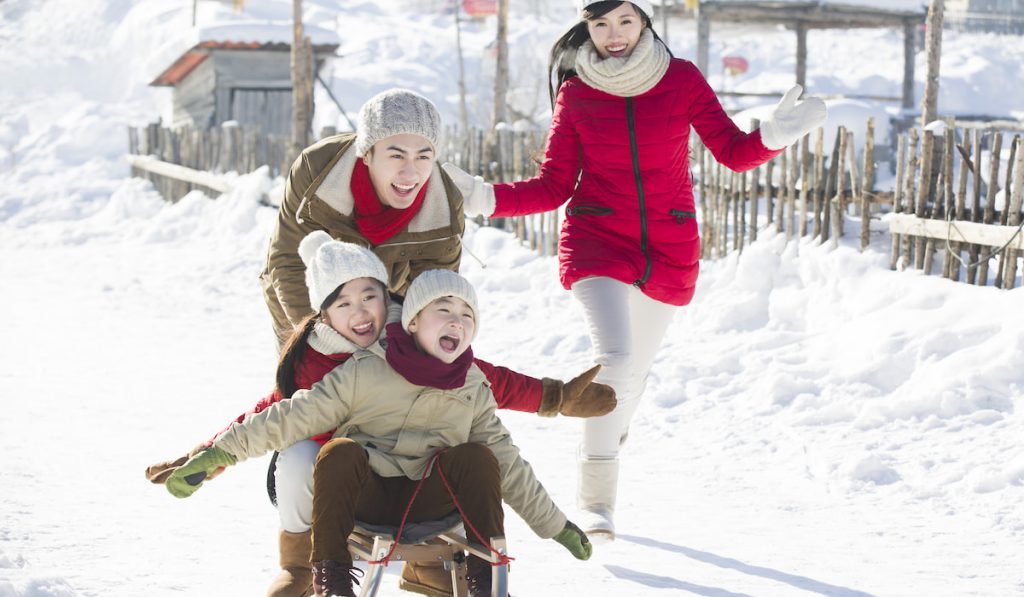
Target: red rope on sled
[(502, 558)]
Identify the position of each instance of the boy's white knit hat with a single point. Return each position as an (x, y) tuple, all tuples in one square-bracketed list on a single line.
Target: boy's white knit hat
[(432, 285), (331, 263), (643, 5), (396, 112)]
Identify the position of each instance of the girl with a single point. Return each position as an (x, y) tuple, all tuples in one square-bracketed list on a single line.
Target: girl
[(348, 283), (629, 247), (396, 414)]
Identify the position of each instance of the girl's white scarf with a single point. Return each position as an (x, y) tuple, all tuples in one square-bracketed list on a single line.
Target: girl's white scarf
[(628, 76), (326, 340)]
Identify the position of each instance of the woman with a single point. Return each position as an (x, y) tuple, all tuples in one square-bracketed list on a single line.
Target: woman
[(629, 247)]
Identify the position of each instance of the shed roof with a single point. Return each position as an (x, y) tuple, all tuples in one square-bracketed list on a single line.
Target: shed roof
[(194, 56)]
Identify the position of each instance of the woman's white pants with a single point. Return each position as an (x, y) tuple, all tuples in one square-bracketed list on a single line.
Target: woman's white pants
[(626, 328)]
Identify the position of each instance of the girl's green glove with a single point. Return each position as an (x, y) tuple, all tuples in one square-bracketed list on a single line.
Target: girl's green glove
[(189, 477), (575, 540)]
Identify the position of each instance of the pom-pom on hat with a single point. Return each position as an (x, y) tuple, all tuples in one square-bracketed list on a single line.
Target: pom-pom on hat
[(331, 263), (644, 6), (432, 285), (396, 112)]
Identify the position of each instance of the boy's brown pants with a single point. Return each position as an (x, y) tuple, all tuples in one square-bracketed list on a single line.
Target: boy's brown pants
[(345, 489)]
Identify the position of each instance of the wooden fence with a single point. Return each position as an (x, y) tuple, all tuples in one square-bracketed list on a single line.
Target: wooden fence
[(229, 148), (935, 204), (804, 192)]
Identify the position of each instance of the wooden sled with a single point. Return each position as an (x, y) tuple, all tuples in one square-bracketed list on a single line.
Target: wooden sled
[(371, 543)]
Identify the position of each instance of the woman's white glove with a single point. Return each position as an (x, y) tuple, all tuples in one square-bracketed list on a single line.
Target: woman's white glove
[(477, 195), (791, 119)]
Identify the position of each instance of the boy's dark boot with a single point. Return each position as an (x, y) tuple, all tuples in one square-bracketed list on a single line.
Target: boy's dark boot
[(295, 579), (478, 577), (426, 578), (334, 579)]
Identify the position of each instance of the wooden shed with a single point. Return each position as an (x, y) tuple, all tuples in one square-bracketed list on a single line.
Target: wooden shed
[(804, 15), (248, 82)]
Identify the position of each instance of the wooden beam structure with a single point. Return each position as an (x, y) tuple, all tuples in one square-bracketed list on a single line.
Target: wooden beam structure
[(803, 16)]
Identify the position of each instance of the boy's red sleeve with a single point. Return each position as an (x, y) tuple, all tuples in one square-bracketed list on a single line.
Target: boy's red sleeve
[(512, 390)]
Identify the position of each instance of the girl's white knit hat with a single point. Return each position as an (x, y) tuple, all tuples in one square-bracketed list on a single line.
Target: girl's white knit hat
[(432, 285), (331, 263), (644, 5), (396, 112)]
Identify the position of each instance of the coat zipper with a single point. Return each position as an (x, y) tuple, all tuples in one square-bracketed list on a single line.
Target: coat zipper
[(634, 150)]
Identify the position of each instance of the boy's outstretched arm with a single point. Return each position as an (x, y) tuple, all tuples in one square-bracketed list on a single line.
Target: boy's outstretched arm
[(579, 397)]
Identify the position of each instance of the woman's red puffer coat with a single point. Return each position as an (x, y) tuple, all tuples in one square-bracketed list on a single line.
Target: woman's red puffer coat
[(623, 165)]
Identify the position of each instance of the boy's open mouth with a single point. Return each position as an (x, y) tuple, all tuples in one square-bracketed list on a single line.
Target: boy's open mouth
[(449, 343)]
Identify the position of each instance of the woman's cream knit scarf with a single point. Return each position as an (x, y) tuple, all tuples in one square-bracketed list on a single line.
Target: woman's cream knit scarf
[(628, 76)]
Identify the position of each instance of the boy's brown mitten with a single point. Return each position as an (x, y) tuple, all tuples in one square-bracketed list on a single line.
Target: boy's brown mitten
[(579, 397), (158, 473)]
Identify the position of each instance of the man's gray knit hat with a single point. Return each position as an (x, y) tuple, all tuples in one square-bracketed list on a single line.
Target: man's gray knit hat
[(331, 263), (644, 5), (432, 285), (397, 112)]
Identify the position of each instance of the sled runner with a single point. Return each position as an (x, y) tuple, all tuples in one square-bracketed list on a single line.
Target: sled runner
[(375, 544)]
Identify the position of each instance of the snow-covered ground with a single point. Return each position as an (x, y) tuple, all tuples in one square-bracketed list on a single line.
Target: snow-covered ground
[(815, 424)]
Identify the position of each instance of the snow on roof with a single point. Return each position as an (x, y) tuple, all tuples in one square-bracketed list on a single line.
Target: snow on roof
[(181, 56)]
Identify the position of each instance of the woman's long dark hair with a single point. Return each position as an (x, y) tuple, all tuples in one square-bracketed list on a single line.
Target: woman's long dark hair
[(576, 36)]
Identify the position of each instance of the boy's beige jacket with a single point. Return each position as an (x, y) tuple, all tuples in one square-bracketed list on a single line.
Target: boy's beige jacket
[(401, 426)]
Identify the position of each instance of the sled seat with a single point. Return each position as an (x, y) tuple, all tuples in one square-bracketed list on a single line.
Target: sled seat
[(432, 541)]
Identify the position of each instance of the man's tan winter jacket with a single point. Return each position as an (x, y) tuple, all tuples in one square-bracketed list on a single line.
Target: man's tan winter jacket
[(401, 426), (318, 196)]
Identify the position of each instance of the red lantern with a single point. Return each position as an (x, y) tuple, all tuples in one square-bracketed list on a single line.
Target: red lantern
[(735, 65), (480, 8)]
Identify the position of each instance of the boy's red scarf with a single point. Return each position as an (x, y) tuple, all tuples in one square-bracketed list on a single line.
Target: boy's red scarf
[(422, 369), (375, 220)]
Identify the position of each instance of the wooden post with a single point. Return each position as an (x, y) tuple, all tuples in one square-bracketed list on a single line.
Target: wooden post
[(927, 144), (830, 188), (780, 207), (302, 83), (913, 161), (908, 64), (867, 185), (949, 211), (933, 49), (972, 264), (703, 40), (990, 203), (801, 55), (839, 201), (819, 182), (463, 113), (755, 193), (938, 201), (1016, 199), (805, 182), (897, 196), (961, 204), (500, 113), (791, 193), (1004, 216)]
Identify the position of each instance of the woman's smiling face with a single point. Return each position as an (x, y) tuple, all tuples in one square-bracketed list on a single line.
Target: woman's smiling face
[(616, 33)]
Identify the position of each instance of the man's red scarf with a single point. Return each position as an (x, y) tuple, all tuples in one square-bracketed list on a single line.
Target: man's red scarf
[(377, 221)]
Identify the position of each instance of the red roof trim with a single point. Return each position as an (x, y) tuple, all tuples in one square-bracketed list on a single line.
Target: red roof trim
[(188, 61)]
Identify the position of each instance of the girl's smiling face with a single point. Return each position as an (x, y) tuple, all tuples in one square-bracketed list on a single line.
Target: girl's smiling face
[(444, 328), (359, 311), (616, 33)]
